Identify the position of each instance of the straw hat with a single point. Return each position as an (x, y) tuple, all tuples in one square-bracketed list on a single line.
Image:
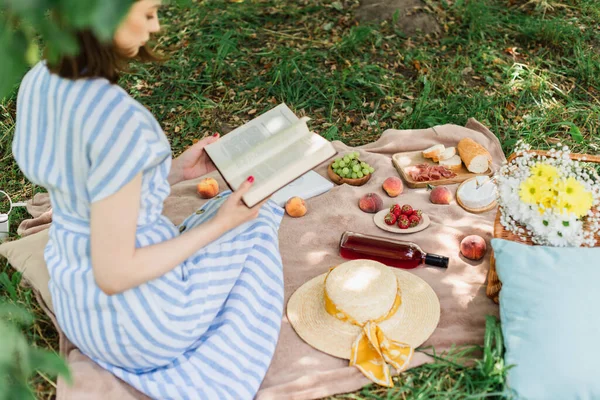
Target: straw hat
[(402, 305)]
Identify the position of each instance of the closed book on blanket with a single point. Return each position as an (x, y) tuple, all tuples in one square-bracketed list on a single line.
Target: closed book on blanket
[(276, 148), (308, 185)]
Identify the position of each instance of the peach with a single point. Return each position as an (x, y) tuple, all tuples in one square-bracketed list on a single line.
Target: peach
[(295, 207), (393, 186), (370, 203), (473, 247), (440, 195), (208, 188)]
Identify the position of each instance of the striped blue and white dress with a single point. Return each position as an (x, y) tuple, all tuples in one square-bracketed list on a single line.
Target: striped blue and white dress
[(205, 330)]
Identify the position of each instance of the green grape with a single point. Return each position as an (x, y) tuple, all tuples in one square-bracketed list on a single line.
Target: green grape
[(338, 171), (354, 162), (371, 170), (359, 174), (356, 154), (365, 171), (335, 165), (364, 165), (356, 168), (354, 175), (347, 160), (342, 164), (345, 170), (337, 160), (350, 156)]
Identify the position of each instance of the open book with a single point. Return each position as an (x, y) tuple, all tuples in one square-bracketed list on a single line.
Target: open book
[(276, 148)]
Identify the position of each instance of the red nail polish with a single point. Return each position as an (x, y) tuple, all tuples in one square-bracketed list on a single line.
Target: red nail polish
[(216, 135), (250, 179)]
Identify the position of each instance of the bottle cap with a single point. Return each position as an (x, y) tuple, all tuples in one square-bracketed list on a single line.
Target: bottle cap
[(437, 261)]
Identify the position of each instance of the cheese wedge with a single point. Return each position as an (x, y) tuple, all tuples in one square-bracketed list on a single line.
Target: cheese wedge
[(453, 163), (445, 155), (434, 151), (481, 197)]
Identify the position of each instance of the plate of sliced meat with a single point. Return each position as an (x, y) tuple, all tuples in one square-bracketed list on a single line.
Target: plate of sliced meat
[(440, 165), (428, 172)]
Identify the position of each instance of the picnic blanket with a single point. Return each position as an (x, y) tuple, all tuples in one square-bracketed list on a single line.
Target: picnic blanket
[(309, 247)]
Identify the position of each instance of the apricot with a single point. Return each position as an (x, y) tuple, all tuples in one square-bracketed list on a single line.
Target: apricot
[(370, 203), (295, 207), (393, 186), (208, 188)]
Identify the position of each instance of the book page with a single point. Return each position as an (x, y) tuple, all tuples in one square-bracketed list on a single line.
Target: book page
[(276, 148), (280, 169), (232, 150), (270, 155)]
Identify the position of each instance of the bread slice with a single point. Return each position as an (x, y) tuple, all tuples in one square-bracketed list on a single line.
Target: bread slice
[(445, 155), (453, 163), (434, 151)]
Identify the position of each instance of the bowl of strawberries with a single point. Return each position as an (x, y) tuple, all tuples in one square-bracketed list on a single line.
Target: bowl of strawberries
[(401, 218)]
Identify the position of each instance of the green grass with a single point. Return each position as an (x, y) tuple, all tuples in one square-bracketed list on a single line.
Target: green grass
[(528, 71)]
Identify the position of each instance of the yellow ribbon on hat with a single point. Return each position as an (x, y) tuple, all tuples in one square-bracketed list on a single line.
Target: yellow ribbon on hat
[(372, 349)]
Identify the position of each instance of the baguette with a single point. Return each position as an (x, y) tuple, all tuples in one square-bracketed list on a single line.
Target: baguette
[(445, 155), (434, 151), (454, 163), (476, 158)]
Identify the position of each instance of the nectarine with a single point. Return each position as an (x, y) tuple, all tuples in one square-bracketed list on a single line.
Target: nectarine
[(208, 188), (393, 186), (473, 247), (295, 207), (370, 203), (440, 195)]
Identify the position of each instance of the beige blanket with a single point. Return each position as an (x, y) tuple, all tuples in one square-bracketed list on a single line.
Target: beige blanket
[(309, 246)]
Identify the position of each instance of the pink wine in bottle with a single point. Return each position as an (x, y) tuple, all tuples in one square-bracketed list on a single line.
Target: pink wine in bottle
[(391, 252)]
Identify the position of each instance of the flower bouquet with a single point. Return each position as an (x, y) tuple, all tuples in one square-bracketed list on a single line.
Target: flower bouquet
[(549, 197)]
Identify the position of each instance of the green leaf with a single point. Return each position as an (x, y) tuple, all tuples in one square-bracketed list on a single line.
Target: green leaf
[(50, 363), (59, 41), (8, 334), (8, 285), (106, 16), (16, 314), (574, 130), (13, 64)]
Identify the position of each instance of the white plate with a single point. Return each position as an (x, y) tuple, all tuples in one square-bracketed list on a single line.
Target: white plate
[(379, 221)]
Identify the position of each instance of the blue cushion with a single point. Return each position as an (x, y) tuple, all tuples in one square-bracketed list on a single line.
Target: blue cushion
[(549, 308)]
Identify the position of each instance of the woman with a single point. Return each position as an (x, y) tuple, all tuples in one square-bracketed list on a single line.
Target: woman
[(189, 311)]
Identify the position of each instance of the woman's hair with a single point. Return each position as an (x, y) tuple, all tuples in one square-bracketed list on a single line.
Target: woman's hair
[(96, 59)]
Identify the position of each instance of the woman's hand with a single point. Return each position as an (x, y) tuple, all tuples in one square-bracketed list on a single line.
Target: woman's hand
[(233, 212), (192, 163)]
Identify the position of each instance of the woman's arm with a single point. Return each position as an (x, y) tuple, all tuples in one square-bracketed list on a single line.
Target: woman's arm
[(119, 266)]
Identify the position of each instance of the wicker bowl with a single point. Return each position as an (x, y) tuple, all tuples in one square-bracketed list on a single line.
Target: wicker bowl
[(339, 180), (493, 282)]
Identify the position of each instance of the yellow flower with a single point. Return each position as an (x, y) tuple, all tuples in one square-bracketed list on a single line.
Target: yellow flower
[(539, 191), (574, 198), (528, 191), (544, 172)]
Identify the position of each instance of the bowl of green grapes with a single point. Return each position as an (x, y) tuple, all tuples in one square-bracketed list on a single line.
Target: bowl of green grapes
[(350, 169)]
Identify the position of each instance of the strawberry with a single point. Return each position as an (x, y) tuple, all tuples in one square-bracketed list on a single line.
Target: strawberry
[(390, 219), (418, 213), (407, 210), (403, 222), (396, 210), (414, 220)]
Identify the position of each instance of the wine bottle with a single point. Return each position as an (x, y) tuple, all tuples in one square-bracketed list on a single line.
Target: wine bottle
[(391, 252)]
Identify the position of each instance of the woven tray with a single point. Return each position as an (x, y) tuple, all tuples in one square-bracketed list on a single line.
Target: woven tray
[(493, 283)]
